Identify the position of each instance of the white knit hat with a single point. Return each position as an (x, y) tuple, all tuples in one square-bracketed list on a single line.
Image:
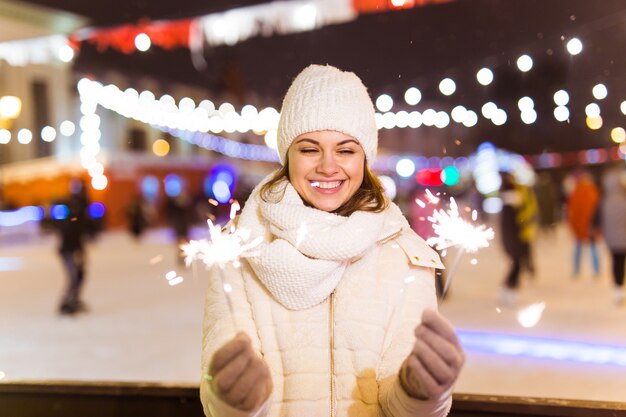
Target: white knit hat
[(326, 98)]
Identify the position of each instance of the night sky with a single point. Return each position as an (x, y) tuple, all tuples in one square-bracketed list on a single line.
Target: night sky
[(417, 47)]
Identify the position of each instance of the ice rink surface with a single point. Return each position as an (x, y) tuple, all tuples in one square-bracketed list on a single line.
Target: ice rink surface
[(139, 328)]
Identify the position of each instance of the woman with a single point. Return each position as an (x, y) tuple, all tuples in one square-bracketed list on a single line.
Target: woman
[(336, 315), (583, 219)]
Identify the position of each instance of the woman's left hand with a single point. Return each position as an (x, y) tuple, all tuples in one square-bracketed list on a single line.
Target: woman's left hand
[(435, 362)]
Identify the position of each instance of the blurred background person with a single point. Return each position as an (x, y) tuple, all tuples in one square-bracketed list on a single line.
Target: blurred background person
[(73, 230), (179, 212), (137, 216), (511, 233), (614, 226), (547, 202), (527, 218), (582, 218)]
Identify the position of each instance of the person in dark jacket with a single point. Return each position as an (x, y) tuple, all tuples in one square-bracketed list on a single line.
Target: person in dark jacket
[(73, 229), (511, 232)]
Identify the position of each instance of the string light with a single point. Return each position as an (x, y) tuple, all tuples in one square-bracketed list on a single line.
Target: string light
[(574, 46)]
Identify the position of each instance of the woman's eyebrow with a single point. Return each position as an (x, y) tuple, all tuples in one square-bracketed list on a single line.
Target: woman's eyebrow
[(313, 141)]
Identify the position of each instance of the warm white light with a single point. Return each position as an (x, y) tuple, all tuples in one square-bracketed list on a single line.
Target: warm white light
[(389, 120), (67, 128), (447, 86), (458, 114), (499, 117), (186, 105), (384, 103), (48, 134), (10, 107), (561, 98), (415, 119), (226, 108), (429, 116), (525, 103), (484, 76), (622, 107), (90, 122), (618, 135), (5, 136), (524, 63), (412, 96), (594, 123), (442, 119), (529, 116), (405, 167), (100, 182), (561, 113), (471, 118), (24, 136), (96, 169), (305, 17), (142, 42), (574, 46), (66, 53), (402, 119), (488, 109), (592, 110), (209, 106), (271, 139), (599, 91)]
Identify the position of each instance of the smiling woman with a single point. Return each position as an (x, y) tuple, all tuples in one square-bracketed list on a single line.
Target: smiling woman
[(325, 312)]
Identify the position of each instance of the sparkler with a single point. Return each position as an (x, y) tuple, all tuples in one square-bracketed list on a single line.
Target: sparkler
[(453, 231), (225, 246)]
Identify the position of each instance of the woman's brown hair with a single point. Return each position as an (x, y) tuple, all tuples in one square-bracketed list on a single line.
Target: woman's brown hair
[(369, 197)]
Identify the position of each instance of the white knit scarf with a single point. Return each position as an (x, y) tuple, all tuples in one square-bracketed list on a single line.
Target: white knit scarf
[(306, 250)]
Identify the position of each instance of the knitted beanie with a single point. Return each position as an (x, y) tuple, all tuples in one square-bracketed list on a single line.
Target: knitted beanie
[(326, 98)]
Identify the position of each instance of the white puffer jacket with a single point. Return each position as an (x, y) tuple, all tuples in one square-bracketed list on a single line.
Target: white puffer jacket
[(340, 357)]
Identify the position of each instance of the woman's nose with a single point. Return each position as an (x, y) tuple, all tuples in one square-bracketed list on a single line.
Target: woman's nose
[(327, 164)]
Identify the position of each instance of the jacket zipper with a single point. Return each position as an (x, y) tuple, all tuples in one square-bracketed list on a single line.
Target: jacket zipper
[(331, 329)]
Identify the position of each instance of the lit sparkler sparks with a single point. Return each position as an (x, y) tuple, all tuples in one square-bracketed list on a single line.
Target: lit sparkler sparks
[(531, 315), (225, 246), (454, 231)]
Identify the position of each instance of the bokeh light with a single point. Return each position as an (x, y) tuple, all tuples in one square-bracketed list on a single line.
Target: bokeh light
[(600, 91), (384, 103), (618, 135), (173, 185), (142, 42), (447, 86), (405, 167), (160, 147), (450, 176), (484, 76), (594, 123), (574, 46), (524, 63), (412, 96), (561, 98)]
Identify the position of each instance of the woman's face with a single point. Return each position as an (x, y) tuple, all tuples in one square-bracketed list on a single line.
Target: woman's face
[(326, 168)]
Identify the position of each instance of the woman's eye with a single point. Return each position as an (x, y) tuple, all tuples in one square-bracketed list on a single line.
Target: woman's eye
[(308, 150), (347, 151)]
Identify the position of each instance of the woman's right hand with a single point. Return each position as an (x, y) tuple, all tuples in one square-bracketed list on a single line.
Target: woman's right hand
[(240, 377)]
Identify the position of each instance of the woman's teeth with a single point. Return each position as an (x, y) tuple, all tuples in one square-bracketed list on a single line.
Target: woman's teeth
[(326, 185)]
